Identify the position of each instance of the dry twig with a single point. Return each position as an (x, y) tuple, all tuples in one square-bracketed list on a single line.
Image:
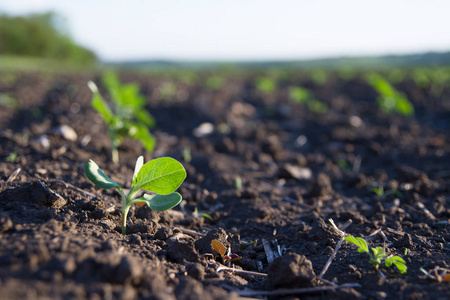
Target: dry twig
[(190, 232), (339, 244), (268, 250), (13, 175), (223, 268)]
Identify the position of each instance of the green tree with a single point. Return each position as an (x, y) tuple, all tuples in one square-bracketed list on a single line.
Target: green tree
[(39, 35)]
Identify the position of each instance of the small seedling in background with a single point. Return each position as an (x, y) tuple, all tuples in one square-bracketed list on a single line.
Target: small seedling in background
[(319, 77), (215, 82), (378, 255), (265, 85), (302, 95), (127, 117), (187, 157), (204, 215), (167, 90), (13, 157), (383, 194), (238, 183), (161, 176), (245, 245), (390, 100), (8, 101), (227, 257), (344, 165)]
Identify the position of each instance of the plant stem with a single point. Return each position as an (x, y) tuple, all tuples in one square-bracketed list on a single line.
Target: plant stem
[(125, 209), (124, 219), (115, 155)]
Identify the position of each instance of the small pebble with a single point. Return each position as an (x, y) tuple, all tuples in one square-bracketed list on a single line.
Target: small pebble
[(66, 132), (203, 129)]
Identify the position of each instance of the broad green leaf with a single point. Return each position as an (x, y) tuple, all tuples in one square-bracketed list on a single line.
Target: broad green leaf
[(401, 267), (388, 263), (99, 104), (138, 166), (161, 175), (397, 258), (378, 252), (141, 133), (361, 243), (145, 117), (112, 84), (129, 95), (398, 262), (96, 175), (352, 240), (162, 202)]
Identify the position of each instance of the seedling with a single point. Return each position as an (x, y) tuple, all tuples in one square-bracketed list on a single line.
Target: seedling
[(227, 257), (302, 95), (378, 255), (13, 157), (187, 157), (265, 85), (390, 100), (162, 176), (238, 183), (382, 193), (247, 244), (215, 82), (127, 117), (204, 215)]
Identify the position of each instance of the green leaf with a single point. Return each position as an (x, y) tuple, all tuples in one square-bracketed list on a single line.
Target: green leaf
[(96, 175), (162, 176), (138, 166), (399, 262), (162, 202), (99, 104), (145, 117), (361, 243), (112, 84), (379, 253), (141, 133), (401, 267)]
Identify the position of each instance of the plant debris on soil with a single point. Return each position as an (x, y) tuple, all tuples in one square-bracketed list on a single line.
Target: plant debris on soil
[(265, 177)]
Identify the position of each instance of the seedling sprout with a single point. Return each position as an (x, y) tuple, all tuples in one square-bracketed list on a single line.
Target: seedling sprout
[(378, 255), (227, 256), (162, 176), (382, 193), (127, 117), (390, 100)]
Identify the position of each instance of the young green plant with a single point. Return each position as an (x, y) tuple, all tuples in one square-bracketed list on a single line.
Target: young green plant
[(383, 194), (378, 255), (162, 176), (127, 117), (390, 99), (301, 95)]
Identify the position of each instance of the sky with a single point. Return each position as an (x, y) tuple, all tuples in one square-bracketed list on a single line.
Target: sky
[(248, 29)]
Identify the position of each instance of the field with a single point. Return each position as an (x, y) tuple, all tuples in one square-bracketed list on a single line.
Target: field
[(271, 157)]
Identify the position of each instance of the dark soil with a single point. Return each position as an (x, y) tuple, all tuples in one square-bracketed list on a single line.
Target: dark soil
[(298, 169)]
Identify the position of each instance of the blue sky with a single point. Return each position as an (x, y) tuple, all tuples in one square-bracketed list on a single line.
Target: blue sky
[(249, 29)]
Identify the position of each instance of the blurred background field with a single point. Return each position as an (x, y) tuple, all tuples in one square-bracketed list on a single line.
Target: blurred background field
[(42, 34)]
